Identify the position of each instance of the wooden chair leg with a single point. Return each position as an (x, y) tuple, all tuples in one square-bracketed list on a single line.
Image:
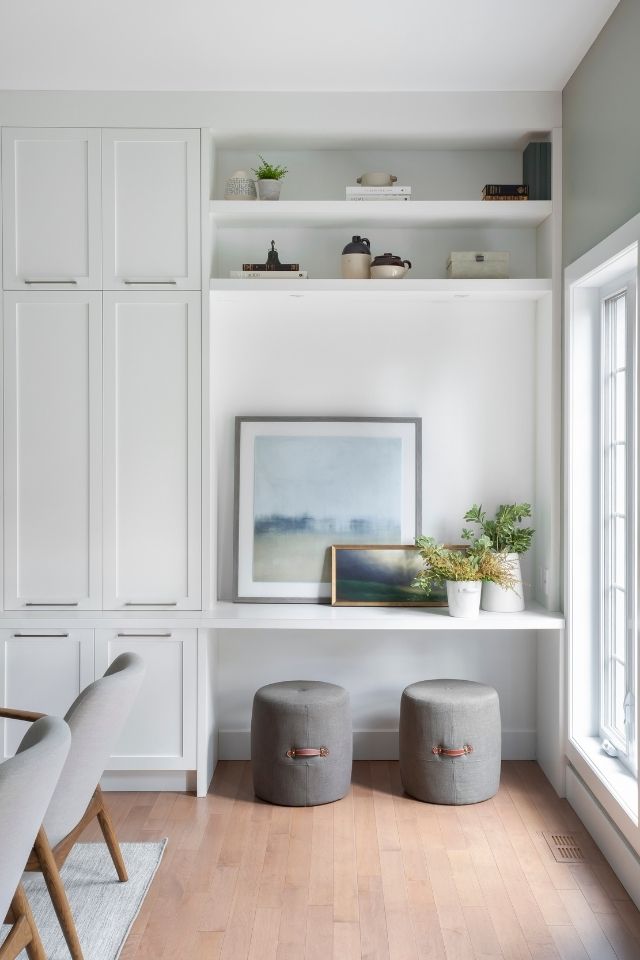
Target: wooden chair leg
[(109, 834), (24, 933), (51, 874)]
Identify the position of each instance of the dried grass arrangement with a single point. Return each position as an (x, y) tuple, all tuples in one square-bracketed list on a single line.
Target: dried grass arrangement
[(476, 562)]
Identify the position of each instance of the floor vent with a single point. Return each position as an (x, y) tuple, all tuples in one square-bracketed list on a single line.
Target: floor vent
[(565, 847)]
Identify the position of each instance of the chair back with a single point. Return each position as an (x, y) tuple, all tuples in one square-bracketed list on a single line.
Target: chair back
[(27, 782), (96, 719)]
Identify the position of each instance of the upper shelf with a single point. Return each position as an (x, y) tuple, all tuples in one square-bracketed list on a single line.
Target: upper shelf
[(402, 213)]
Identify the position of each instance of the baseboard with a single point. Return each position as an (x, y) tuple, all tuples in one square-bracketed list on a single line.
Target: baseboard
[(177, 781), (378, 745), (623, 859)]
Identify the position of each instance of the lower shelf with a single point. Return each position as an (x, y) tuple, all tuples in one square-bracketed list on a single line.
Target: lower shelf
[(434, 290)]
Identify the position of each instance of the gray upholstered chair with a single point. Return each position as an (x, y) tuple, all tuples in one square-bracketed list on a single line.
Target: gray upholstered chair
[(96, 719), (27, 782)]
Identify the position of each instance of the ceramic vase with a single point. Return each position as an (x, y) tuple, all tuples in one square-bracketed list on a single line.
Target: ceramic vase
[(497, 599), (463, 597), (269, 189), (240, 186)]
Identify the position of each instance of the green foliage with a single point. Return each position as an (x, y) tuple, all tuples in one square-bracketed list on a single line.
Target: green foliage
[(267, 171), (476, 562), (504, 533)]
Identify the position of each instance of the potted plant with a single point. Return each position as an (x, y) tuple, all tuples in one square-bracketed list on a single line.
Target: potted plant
[(507, 537), (464, 571), (269, 177)]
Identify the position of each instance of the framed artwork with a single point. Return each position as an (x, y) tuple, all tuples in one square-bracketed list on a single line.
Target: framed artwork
[(374, 575), (303, 484)]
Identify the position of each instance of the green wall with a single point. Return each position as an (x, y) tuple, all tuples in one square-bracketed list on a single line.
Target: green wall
[(601, 135)]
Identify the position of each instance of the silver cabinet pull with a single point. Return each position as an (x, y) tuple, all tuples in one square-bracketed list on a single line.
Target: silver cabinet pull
[(48, 603), (171, 283), (163, 636), (27, 636), (33, 283), (151, 603)]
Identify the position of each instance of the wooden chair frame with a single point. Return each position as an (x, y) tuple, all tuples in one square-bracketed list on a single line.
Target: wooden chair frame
[(50, 860), (24, 933)]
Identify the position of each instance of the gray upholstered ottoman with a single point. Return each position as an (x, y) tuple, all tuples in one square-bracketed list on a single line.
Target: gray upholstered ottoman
[(450, 741), (301, 743)]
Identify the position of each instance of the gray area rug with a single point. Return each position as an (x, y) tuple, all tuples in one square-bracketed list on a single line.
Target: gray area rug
[(103, 908)]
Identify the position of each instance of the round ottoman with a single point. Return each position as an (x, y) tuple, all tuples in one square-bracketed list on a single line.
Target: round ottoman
[(450, 741), (301, 743)]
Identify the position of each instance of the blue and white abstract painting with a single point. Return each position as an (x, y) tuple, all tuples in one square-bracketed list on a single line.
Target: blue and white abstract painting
[(314, 491)]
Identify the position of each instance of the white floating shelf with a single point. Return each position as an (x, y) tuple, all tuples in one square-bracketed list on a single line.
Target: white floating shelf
[(434, 290), (295, 616), (360, 214)]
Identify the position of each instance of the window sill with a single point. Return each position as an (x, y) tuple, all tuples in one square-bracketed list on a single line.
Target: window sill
[(616, 779)]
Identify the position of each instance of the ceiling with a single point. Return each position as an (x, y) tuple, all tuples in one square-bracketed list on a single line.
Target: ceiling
[(295, 44)]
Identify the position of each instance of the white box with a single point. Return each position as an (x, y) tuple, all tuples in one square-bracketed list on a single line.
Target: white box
[(474, 265)]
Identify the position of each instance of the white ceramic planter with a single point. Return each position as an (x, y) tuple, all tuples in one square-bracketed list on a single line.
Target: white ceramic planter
[(464, 598), (497, 599), (269, 189)]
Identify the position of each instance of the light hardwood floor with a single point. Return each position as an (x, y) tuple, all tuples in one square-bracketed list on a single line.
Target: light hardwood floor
[(376, 875)]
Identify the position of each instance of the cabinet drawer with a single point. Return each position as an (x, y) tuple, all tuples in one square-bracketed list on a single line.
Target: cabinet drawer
[(41, 669), (51, 199), (151, 209), (160, 733)]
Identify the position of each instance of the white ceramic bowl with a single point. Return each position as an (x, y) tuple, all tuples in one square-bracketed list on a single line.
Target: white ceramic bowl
[(388, 271)]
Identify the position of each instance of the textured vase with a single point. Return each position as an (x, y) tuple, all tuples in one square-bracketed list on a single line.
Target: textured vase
[(497, 599), (464, 598)]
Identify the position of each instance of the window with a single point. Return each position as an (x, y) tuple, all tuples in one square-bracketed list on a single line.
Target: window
[(601, 447), (617, 683)]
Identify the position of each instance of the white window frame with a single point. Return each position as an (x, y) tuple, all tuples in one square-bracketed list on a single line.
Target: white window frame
[(623, 740), (613, 783)]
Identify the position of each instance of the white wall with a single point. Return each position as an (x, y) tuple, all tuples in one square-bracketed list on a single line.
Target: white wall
[(466, 369), (375, 667)]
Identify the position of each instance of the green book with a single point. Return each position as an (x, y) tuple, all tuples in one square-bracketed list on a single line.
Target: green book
[(536, 170)]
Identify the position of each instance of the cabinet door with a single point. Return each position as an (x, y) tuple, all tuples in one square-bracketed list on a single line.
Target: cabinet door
[(52, 450), (152, 451), (160, 732), (151, 209), (51, 198), (44, 670)]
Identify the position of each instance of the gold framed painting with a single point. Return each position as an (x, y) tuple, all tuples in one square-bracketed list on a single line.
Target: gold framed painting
[(379, 575)]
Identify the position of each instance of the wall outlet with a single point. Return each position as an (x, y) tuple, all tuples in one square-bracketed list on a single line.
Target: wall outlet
[(544, 580)]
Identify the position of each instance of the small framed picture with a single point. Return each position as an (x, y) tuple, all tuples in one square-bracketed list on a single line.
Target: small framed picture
[(374, 575), (305, 483)]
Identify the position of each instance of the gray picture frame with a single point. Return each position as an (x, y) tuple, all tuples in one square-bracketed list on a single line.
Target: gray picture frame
[(409, 429)]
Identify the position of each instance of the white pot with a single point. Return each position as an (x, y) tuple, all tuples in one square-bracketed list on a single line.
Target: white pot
[(464, 598), (389, 271), (497, 599), (269, 189)]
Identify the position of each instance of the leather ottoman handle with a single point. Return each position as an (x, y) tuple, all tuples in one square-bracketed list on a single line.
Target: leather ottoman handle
[(307, 752), (443, 752)]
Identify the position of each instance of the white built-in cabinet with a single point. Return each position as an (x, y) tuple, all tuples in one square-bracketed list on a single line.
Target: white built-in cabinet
[(160, 732), (151, 209), (52, 450), (41, 669), (152, 451), (51, 209)]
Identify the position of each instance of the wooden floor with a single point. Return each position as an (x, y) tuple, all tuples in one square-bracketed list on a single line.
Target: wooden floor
[(376, 875)]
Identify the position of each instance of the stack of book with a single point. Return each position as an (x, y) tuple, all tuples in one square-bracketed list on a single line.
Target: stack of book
[(260, 271), (394, 192), (505, 191)]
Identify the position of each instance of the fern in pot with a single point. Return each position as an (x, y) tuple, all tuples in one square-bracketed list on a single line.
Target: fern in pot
[(464, 572), (506, 537), (269, 177)]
